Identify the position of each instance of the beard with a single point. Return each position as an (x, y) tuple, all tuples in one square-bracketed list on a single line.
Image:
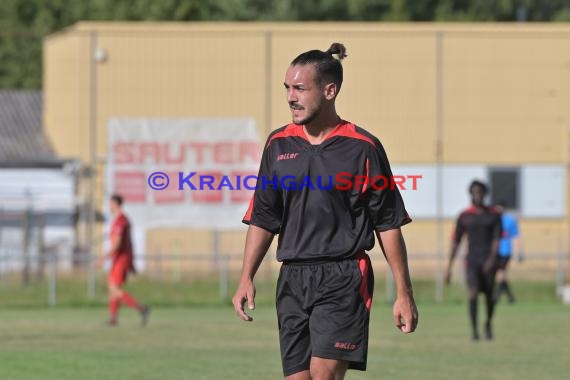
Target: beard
[(307, 119), (477, 202)]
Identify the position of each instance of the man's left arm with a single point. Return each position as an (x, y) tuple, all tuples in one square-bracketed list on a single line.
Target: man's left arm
[(387, 213), (497, 232), (394, 249), (488, 266)]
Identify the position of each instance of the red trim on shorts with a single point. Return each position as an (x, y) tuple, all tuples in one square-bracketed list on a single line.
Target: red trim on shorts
[(120, 270), (118, 274), (363, 265), (247, 216)]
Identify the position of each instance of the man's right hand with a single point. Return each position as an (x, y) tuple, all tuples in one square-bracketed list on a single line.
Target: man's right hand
[(244, 293)]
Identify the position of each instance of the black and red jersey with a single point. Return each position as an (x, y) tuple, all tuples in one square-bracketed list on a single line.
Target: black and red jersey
[(317, 213), (482, 226)]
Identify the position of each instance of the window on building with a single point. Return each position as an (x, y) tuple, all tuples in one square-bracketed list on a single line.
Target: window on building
[(505, 187)]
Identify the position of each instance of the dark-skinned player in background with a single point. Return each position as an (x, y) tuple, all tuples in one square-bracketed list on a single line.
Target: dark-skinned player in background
[(481, 225)]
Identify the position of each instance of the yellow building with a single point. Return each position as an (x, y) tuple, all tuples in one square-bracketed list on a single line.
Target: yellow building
[(449, 102)]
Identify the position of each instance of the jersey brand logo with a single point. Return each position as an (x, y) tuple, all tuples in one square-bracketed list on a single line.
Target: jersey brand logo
[(345, 346), (287, 156)]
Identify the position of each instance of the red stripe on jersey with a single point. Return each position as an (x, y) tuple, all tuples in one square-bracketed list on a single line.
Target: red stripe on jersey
[(291, 130), (344, 129), (247, 216), (365, 186), (474, 210), (347, 129), (364, 265)]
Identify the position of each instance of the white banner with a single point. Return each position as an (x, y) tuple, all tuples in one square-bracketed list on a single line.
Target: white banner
[(193, 173)]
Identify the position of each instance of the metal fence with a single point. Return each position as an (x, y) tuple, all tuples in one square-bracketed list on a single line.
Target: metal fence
[(222, 271)]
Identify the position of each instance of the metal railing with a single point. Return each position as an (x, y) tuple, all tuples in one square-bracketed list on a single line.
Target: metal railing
[(52, 264)]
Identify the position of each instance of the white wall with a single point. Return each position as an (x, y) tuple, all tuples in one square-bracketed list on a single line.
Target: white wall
[(542, 189), (47, 192)]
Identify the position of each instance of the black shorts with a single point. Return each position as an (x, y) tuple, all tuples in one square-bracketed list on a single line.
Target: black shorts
[(478, 280), (502, 262), (323, 310)]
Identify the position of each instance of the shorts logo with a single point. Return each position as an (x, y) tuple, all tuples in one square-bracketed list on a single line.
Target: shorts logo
[(345, 346), (287, 156)]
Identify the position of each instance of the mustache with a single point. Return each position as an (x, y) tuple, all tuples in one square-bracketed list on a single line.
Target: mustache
[(295, 105)]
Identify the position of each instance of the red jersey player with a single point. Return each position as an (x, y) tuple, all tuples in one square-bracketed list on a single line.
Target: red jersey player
[(121, 253)]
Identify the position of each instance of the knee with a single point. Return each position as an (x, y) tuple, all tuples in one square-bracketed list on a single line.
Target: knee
[(326, 373), (115, 292), (319, 374)]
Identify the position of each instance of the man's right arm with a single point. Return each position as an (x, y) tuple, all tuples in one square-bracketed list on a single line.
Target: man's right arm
[(257, 243), (517, 242), (452, 255), (458, 233)]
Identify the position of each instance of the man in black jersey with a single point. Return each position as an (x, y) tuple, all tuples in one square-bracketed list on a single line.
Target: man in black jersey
[(482, 226), (325, 286)]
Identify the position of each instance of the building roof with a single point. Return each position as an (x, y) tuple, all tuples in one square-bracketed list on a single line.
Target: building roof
[(22, 142)]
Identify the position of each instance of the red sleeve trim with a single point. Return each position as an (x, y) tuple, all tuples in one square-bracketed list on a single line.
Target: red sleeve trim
[(347, 129), (344, 129), (292, 130)]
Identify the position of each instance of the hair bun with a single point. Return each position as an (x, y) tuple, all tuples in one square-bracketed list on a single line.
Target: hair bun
[(337, 49)]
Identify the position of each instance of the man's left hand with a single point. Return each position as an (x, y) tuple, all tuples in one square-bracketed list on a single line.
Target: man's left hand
[(406, 314), (488, 266)]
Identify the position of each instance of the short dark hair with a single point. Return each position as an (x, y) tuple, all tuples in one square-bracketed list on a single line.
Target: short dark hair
[(477, 183), (328, 68), (117, 198)]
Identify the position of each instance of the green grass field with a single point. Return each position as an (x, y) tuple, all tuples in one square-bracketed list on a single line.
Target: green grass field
[(210, 342)]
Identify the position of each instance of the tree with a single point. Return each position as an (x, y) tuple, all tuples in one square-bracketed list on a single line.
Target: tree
[(23, 23)]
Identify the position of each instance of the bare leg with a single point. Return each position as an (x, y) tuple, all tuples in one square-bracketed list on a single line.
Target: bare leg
[(499, 281), (490, 299), (303, 375), (328, 369), (115, 295), (473, 313)]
